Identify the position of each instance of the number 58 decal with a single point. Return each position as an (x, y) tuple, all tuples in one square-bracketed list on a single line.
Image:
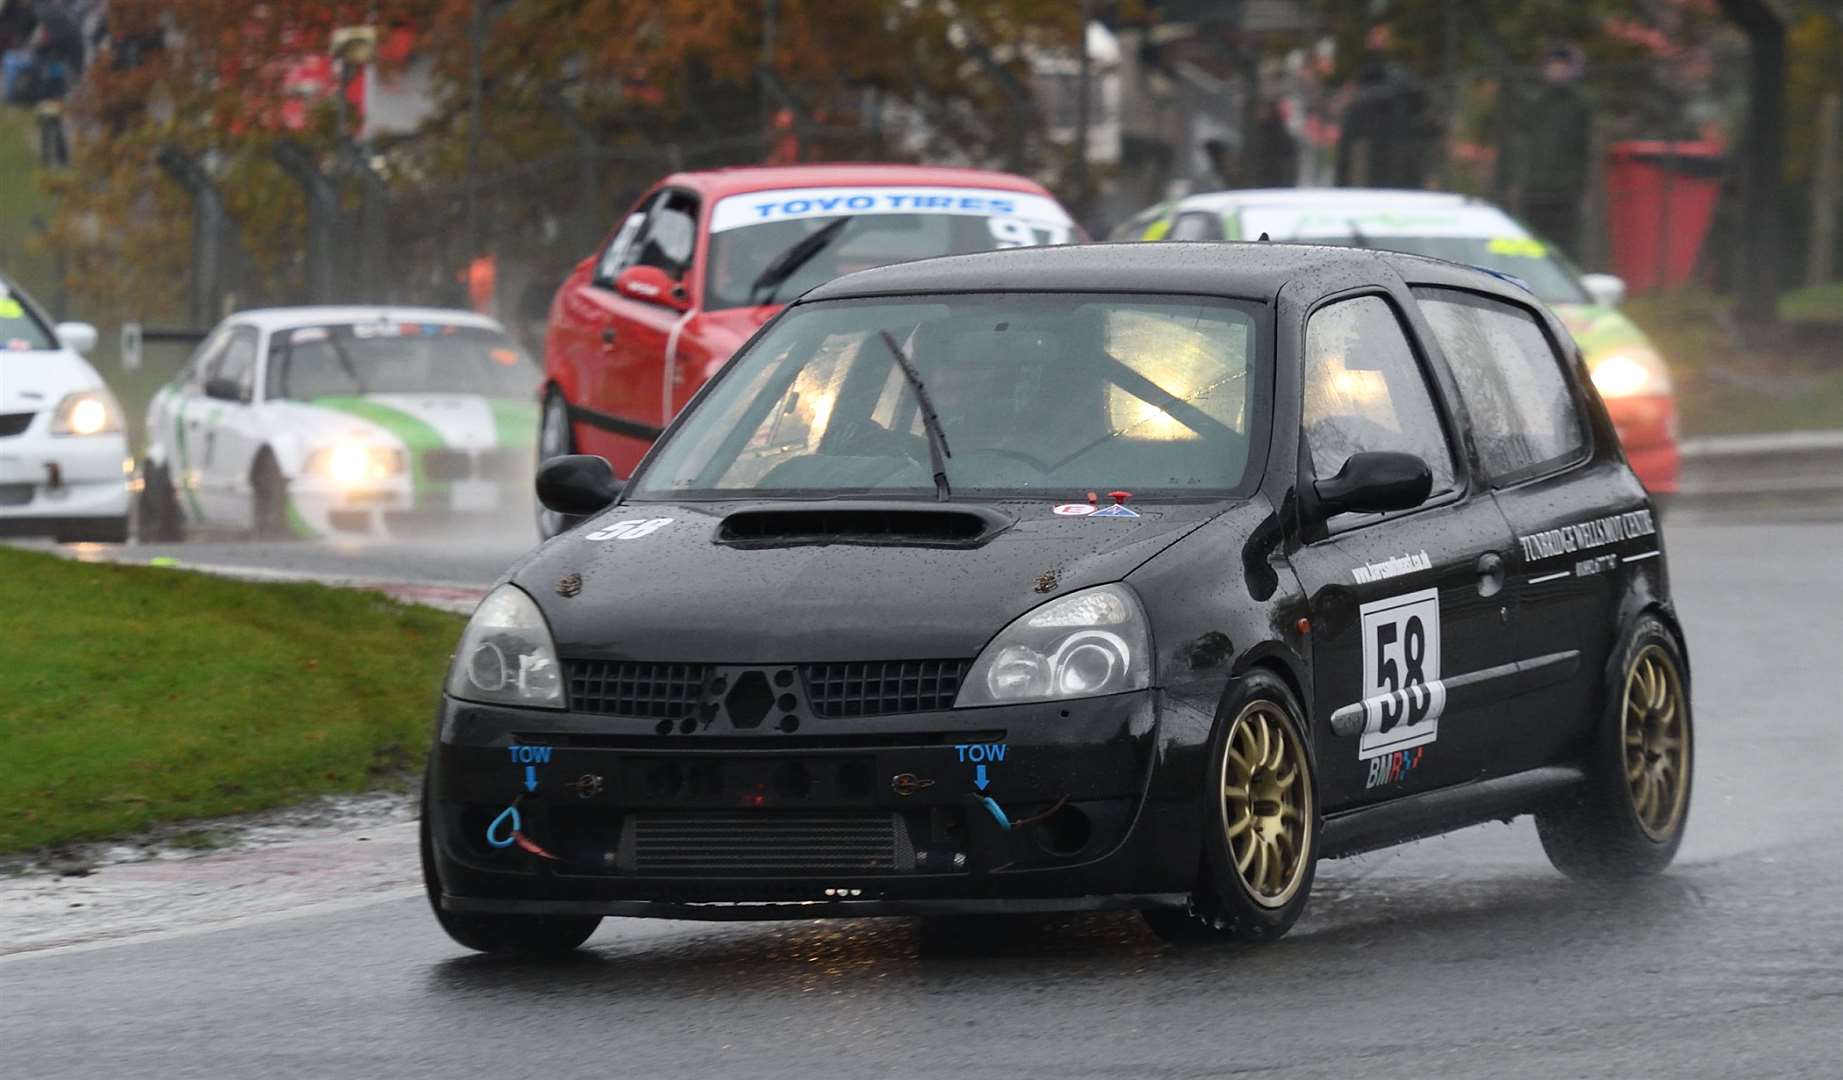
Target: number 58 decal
[(1402, 692)]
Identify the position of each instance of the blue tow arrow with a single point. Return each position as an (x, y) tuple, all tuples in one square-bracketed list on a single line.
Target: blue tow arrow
[(979, 780), (531, 778)]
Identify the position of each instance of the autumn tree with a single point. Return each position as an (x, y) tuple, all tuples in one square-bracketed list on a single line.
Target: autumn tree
[(580, 102)]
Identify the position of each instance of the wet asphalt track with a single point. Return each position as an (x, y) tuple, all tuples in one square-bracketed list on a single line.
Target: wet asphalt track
[(1460, 956)]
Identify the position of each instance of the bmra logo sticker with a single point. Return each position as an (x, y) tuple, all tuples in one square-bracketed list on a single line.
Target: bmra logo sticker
[(1403, 696)]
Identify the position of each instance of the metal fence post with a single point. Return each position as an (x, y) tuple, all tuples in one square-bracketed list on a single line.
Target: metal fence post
[(322, 216), (213, 232), (370, 239)]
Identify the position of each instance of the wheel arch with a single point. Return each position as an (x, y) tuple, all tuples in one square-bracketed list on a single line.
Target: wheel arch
[(1638, 603), (1274, 660), (1271, 658)]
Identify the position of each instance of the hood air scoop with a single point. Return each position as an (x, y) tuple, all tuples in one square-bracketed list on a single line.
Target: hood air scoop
[(900, 524)]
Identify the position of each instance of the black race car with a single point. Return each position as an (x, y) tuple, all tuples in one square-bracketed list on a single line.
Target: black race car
[(1074, 578)]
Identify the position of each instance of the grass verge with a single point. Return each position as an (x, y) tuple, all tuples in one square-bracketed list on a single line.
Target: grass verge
[(1793, 384), (132, 695)]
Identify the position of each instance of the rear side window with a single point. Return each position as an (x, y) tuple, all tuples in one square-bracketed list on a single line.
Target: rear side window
[(237, 363), (611, 260), (20, 328), (669, 237), (1195, 226), (1524, 418), (1364, 391)]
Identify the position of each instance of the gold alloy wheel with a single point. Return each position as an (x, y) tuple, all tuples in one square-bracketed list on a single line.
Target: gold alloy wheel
[(1655, 730), (1266, 803)]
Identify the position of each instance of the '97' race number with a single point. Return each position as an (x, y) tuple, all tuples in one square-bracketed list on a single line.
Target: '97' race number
[(1402, 692)]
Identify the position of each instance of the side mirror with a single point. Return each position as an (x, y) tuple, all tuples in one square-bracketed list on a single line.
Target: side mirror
[(649, 283), (1375, 481), (1607, 290), (578, 484), (222, 389), (78, 337)]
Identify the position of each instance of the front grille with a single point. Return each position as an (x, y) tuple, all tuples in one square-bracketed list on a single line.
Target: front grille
[(881, 687), (15, 422), (446, 465), (634, 688), (766, 842)]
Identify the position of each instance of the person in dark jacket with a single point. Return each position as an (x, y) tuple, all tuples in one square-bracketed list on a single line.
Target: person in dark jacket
[(1556, 152), (1386, 126)]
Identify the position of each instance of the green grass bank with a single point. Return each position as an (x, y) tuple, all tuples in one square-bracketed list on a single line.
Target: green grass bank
[(133, 695)]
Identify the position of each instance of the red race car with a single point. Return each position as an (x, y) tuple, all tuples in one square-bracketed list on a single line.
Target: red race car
[(705, 258)]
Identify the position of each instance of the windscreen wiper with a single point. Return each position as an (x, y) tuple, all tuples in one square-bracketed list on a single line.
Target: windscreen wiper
[(938, 453), (787, 263)]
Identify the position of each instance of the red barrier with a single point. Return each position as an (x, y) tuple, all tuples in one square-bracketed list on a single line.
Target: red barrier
[(1660, 197)]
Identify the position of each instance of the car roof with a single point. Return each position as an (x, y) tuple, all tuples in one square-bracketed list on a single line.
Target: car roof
[(717, 183), (286, 318), (1252, 271), (1316, 213)]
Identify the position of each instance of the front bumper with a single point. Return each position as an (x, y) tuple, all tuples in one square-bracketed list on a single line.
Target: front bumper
[(867, 815), (1647, 428), (50, 483), (397, 509)]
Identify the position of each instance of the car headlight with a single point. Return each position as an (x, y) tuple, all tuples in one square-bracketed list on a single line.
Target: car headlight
[(506, 656), (86, 412), (354, 464), (1634, 371), (1084, 644)]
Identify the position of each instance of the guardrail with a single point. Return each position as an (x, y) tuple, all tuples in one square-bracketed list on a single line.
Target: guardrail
[(1792, 474)]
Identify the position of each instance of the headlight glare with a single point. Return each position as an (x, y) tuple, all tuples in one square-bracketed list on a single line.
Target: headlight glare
[(1085, 644), (506, 655), (1630, 372), (86, 412), (354, 464)]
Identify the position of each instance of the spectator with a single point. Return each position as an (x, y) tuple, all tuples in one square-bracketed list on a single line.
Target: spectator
[(1556, 152), (1385, 129)]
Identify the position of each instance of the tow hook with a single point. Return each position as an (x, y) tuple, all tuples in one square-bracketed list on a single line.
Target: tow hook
[(507, 830)]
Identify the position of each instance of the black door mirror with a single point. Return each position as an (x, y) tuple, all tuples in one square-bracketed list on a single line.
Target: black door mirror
[(578, 484), (1375, 481), (221, 389)]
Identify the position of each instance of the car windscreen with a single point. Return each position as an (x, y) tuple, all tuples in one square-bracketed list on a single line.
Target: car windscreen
[(1052, 393), (770, 246), (1529, 261), (21, 330), (396, 358)]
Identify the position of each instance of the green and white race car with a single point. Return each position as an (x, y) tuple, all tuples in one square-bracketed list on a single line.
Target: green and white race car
[(313, 421), (1626, 369)]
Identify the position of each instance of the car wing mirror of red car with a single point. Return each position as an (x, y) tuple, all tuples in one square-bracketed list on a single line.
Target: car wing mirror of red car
[(651, 284), (1374, 482), (578, 484)]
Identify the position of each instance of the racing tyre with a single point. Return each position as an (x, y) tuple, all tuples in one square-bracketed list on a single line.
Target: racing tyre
[(526, 935), (1627, 819), (1261, 824), (156, 508), (268, 499), (555, 439)]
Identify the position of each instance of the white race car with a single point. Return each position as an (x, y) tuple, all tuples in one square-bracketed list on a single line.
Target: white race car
[(315, 421), (64, 464)]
